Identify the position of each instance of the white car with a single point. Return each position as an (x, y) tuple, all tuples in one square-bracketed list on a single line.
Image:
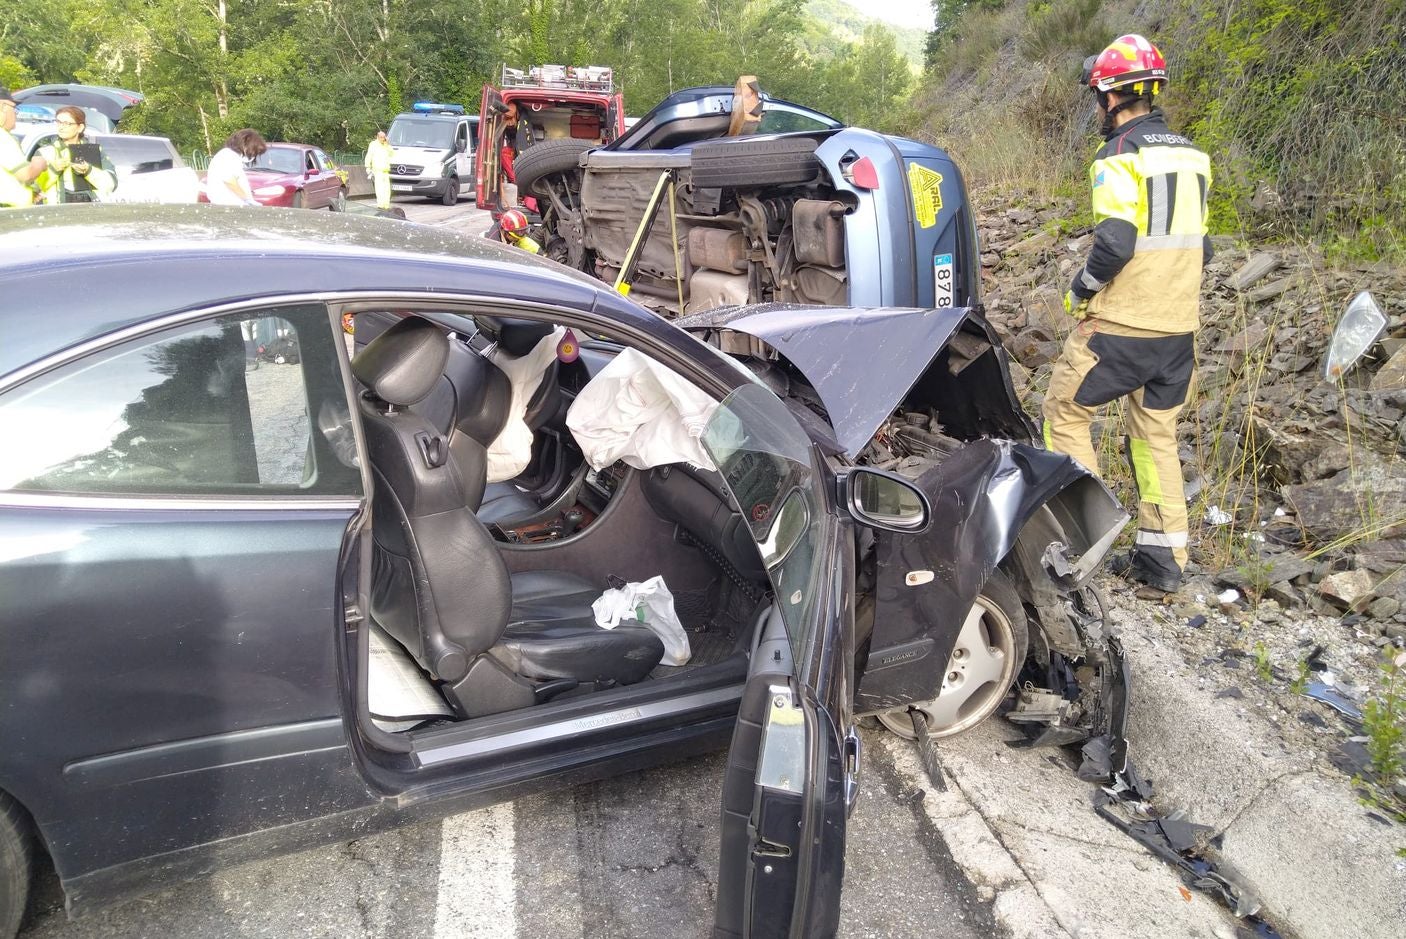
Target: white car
[(149, 169)]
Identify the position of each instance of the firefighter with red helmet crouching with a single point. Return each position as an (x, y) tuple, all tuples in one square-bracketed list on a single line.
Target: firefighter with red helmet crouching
[(512, 230), (1136, 299)]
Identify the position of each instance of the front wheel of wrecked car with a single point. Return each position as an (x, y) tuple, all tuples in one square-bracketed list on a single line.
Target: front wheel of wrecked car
[(983, 666)]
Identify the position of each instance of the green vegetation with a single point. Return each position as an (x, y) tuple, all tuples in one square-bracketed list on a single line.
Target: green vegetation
[(329, 73), (1297, 101), (1384, 721)]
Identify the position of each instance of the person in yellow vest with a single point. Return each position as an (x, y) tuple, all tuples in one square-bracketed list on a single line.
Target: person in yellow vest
[(512, 230), (1137, 299), (16, 173), (378, 167), (68, 179)]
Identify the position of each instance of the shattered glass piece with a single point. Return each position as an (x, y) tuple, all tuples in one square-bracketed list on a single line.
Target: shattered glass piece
[(1215, 515)]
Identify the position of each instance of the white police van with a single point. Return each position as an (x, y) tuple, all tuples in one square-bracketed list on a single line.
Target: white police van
[(433, 151)]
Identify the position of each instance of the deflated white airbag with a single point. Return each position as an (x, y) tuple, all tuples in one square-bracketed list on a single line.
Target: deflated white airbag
[(643, 413)]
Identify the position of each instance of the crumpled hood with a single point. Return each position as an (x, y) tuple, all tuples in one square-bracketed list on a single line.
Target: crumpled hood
[(861, 361)]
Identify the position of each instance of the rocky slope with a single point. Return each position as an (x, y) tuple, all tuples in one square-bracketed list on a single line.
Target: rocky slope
[(1296, 485)]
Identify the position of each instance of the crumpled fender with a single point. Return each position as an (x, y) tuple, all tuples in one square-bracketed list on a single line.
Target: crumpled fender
[(982, 496)]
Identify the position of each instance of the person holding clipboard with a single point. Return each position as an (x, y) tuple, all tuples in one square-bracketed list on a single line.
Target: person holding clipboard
[(78, 171)]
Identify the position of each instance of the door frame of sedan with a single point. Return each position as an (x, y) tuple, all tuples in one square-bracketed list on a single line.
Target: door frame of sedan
[(783, 848)]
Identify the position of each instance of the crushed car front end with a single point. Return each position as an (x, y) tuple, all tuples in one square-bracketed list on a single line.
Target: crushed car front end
[(998, 590)]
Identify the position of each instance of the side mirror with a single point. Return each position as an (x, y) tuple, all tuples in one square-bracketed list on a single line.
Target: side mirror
[(884, 501)]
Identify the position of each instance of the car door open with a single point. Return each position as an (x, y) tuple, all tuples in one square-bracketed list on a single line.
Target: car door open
[(794, 754)]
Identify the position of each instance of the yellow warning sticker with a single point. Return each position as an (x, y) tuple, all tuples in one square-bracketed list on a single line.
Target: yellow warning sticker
[(927, 193)]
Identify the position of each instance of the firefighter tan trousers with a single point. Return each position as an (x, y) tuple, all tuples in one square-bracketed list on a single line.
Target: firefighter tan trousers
[(1101, 363)]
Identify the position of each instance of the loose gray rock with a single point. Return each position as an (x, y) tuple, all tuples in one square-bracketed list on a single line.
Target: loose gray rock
[(1346, 588), (1383, 608)]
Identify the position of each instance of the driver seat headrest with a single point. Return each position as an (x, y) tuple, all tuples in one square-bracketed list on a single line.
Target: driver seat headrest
[(403, 364)]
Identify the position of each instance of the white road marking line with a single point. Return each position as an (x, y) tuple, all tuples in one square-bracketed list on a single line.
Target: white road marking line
[(476, 898)]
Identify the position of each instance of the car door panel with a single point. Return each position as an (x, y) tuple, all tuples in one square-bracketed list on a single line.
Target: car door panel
[(787, 786), (176, 637)]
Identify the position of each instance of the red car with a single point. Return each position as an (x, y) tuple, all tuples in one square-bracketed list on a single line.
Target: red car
[(297, 176)]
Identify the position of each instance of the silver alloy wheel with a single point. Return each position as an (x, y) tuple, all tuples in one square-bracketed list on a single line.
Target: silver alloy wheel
[(979, 673)]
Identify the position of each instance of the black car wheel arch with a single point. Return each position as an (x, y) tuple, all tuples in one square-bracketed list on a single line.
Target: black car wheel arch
[(15, 864)]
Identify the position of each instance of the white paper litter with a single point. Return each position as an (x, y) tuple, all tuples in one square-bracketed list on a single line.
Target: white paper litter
[(398, 689), (511, 450), (640, 411), (1229, 595), (650, 603)]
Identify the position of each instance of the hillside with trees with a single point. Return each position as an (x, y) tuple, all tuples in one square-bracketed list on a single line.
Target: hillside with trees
[(328, 72), (1297, 101)]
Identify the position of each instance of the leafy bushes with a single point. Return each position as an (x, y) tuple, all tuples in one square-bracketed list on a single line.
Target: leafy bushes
[(1299, 103)]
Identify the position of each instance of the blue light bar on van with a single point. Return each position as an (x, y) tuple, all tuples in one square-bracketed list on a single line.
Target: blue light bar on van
[(432, 107)]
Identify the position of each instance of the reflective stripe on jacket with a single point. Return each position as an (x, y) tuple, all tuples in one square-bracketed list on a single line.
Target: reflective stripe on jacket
[(1149, 199)]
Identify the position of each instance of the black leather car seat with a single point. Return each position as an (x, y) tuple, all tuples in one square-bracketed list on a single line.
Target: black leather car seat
[(473, 397), (439, 585)]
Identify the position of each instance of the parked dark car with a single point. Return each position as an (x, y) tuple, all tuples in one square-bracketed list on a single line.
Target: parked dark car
[(781, 203), (296, 176), (210, 563)]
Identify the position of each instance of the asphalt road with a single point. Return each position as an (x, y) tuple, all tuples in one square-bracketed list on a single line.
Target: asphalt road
[(635, 856)]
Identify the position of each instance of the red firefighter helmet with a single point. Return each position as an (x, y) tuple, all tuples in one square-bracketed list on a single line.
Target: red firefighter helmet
[(513, 220), (1128, 60)]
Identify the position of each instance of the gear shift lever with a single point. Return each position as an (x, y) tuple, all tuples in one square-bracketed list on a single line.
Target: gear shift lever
[(571, 521)]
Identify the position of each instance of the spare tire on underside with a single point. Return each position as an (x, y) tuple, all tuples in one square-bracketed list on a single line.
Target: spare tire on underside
[(546, 157), (740, 164)]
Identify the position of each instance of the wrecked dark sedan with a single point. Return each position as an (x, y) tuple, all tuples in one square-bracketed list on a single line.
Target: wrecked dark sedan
[(254, 605)]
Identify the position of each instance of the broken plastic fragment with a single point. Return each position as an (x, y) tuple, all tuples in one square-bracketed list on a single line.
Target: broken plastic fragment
[(1229, 595), (1335, 699)]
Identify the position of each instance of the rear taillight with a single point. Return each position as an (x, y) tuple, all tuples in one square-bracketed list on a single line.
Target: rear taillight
[(861, 174)]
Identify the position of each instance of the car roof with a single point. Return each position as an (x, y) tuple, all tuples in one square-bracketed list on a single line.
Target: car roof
[(121, 265)]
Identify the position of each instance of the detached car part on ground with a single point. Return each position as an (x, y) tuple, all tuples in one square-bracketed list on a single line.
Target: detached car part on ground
[(199, 572), (794, 207)]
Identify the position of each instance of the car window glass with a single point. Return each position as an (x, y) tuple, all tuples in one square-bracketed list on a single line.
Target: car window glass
[(279, 160), (776, 120), (434, 135), (243, 404), (142, 154), (767, 462), (321, 160)]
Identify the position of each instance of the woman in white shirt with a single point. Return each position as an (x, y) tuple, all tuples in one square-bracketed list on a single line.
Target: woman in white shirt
[(225, 180)]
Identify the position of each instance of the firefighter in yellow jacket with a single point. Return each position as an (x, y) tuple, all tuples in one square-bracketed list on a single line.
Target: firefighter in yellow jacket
[(1136, 299), (16, 173)]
